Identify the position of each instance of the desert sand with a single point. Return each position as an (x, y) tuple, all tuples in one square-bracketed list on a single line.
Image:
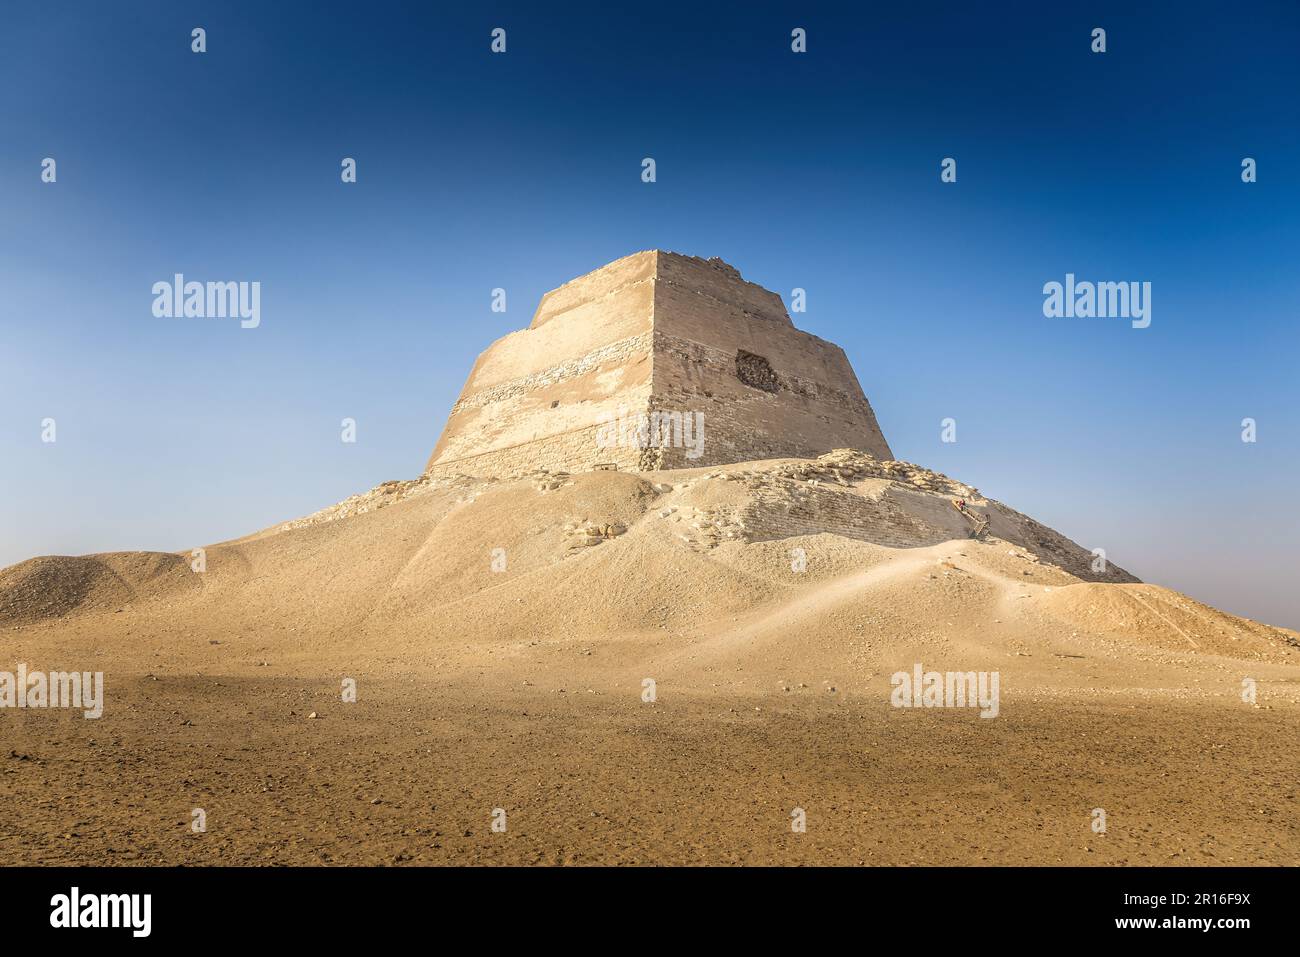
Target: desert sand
[(500, 634)]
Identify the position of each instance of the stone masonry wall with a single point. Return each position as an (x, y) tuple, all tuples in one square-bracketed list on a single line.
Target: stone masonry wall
[(656, 332), (586, 356), (578, 450), (710, 327)]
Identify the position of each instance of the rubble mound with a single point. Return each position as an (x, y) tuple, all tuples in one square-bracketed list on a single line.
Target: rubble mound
[(53, 586)]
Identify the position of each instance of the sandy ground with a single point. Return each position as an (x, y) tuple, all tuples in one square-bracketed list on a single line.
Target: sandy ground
[(524, 689), (411, 773)]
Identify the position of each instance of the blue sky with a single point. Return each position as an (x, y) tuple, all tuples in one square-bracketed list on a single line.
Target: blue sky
[(522, 170)]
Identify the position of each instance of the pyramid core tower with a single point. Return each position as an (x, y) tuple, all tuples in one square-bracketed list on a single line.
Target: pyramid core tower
[(655, 361)]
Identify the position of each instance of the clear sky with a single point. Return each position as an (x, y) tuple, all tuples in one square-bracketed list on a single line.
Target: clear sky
[(818, 170)]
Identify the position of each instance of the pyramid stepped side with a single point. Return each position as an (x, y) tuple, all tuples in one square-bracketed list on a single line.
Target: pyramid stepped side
[(536, 398), (655, 333), (726, 347)]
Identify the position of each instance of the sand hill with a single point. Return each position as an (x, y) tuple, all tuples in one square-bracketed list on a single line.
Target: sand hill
[(794, 548), (522, 688)]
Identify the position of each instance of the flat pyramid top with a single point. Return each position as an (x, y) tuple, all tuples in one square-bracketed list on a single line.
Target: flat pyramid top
[(661, 266)]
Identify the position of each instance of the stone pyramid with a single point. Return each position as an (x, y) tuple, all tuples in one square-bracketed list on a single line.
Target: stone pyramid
[(655, 361)]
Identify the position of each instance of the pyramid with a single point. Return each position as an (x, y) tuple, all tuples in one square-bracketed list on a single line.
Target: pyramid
[(655, 361)]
